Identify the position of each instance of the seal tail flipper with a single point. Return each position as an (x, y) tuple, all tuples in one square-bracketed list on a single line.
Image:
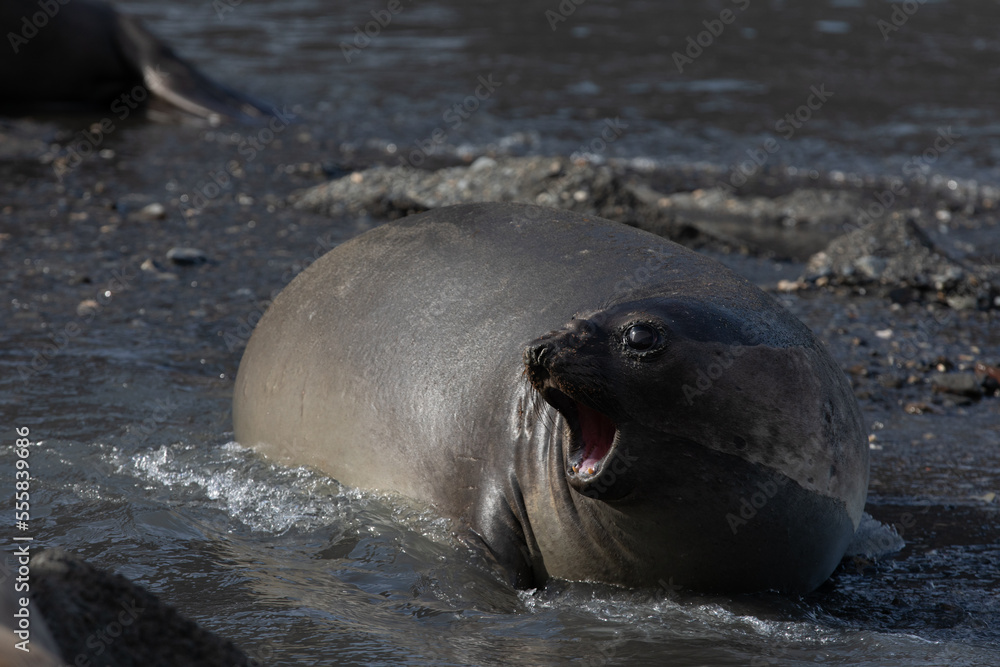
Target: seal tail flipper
[(873, 540), (177, 83)]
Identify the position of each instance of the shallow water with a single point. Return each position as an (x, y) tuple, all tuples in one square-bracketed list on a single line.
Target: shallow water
[(130, 400)]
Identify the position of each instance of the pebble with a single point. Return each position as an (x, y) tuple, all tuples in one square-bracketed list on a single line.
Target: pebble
[(87, 306), (790, 285), (990, 376), (186, 256), (961, 384), (870, 266), (482, 163), (985, 369), (920, 408), (152, 267), (891, 381), (154, 211), (963, 302)]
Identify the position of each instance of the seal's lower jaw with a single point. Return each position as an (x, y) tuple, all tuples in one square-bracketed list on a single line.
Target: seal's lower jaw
[(592, 438)]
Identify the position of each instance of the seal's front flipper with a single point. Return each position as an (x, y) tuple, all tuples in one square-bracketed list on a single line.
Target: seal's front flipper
[(510, 564), (177, 83), (873, 540), (503, 536)]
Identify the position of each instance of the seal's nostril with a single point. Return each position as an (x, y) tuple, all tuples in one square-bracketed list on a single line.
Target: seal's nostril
[(535, 355), (535, 359)]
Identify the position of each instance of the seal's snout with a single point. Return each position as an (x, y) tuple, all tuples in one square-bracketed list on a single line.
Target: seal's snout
[(556, 367), (542, 356), (537, 356), (542, 351)]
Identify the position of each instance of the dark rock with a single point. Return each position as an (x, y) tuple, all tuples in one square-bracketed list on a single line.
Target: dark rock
[(395, 191), (793, 225), (85, 606), (890, 381), (987, 369), (961, 384), (186, 256), (920, 408), (153, 268), (904, 295), (990, 376), (897, 254)]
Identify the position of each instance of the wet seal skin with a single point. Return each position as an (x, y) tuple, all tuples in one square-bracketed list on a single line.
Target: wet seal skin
[(82, 55), (592, 401)]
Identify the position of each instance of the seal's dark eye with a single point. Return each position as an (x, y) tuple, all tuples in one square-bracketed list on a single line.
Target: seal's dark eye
[(641, 337)]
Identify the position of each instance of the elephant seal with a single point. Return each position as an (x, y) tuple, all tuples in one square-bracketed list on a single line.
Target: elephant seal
[(594, 402), (83, 55)]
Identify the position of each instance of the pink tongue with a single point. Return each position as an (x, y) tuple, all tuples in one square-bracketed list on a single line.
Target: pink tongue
[(598, 433)]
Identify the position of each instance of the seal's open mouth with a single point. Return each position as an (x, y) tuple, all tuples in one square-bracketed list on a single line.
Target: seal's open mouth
[(592, 436)]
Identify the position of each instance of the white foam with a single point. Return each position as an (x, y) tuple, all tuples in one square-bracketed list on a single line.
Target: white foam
[(262, 496)]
